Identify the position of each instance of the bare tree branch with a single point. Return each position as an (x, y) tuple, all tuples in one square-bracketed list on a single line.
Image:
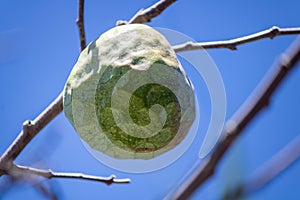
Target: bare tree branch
[(253, 105), (233, 43), (30, 129), (80, 24), (18, 169), (145, 15)]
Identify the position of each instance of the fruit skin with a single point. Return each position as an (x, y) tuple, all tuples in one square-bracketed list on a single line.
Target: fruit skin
[(107, 72)]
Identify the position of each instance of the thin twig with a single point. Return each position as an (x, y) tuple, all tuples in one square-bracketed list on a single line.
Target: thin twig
[(80, 24), (30, 129), (234, 126), (233, 43), (145, 15), (17, 169)]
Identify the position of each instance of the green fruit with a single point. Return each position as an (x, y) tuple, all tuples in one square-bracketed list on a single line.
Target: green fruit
[(128, 96)]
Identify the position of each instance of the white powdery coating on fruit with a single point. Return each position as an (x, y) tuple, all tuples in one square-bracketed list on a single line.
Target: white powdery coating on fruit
[(124, 43), (119, 47)]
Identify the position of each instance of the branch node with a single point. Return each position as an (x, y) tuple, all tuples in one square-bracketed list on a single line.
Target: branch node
[(28, 125), (110, 179), (233, 43), (121, 22), (274, 31), (243, 116), (230, 127), (232, 47), (284, 61), (189, 45), (78, 22)]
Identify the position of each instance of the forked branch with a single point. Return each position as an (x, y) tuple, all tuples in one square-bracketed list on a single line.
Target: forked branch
[(233, 43), (30, 129), (244, 115)]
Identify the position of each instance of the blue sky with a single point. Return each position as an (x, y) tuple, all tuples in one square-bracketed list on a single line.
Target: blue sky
[(39, 45)]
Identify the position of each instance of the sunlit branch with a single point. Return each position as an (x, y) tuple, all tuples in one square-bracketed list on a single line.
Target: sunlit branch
[(30, 129), (233, 43), (49, 174), (238, 122), (145, 15)]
